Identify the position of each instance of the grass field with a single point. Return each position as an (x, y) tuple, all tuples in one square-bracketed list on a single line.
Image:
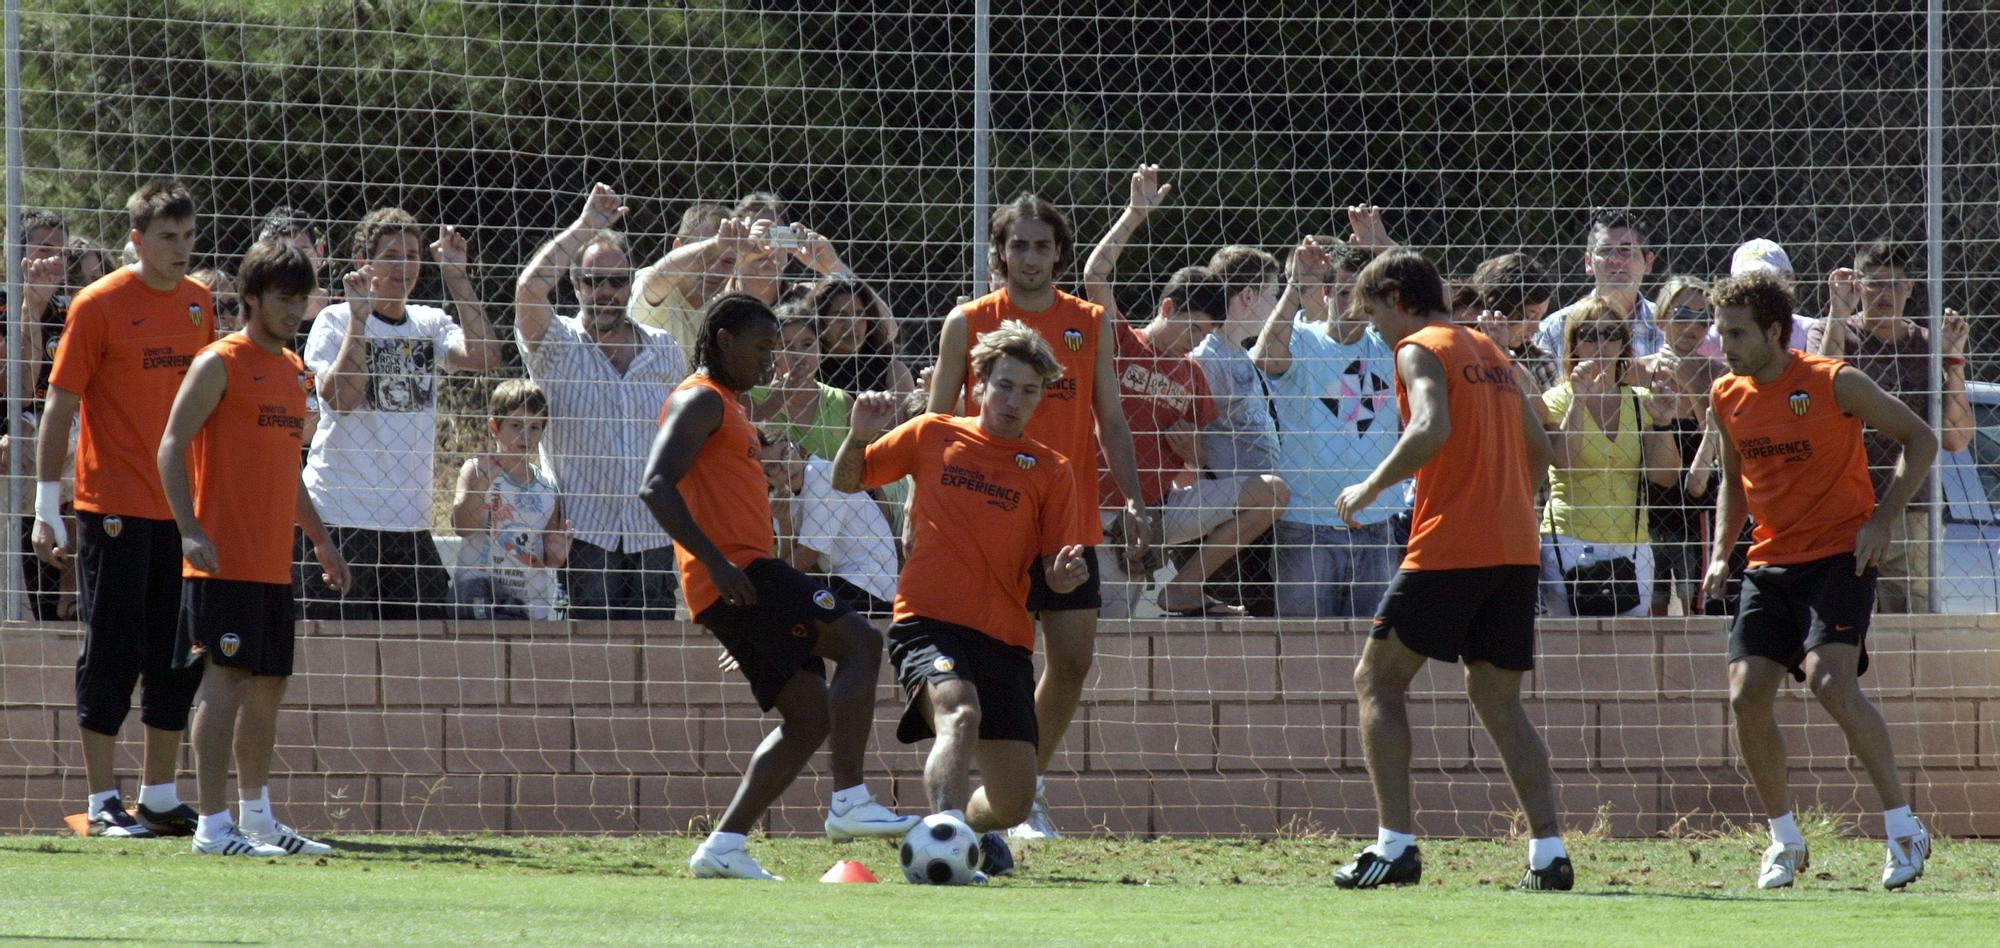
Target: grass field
[(570, 890)]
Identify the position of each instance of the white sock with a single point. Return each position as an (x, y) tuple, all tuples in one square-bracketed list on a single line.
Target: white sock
[(1785, 829), (1545, 850), (848, 799), (98, 800), (1390, 844), (1041, 787), (721, 842), (256, 809), (159, 797), (215, 825), (1900, 822)]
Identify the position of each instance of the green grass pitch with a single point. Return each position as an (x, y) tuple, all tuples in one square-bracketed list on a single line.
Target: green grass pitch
[(1096, 891)]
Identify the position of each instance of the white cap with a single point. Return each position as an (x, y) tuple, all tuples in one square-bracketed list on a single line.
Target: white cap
[(1761, 254)]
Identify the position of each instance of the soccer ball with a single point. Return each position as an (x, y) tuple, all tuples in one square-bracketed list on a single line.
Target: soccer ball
[(941, 850)]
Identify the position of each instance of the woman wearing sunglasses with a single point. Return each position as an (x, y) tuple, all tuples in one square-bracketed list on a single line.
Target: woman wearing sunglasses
[(1609, 439)]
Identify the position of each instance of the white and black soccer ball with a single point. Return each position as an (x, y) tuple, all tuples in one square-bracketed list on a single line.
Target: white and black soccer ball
[(941, 850)]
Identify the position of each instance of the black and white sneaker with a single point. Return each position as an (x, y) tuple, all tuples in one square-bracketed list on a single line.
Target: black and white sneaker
[(287, 839), (113, 822), (1369, 870), (1557, 876), (233, 843), (179, 821)]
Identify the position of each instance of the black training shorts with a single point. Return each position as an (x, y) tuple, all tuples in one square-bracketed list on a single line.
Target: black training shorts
[(1090, 595), (774, 639), (1787, 611), (237, 624), (1482, 614), (927, 650)]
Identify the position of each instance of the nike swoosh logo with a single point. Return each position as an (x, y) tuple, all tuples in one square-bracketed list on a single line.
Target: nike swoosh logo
[(1843, 628), (138, 321), (256, 378)]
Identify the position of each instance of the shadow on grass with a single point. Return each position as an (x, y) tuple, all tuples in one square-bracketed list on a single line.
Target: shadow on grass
[(150, 939), (443, 852)]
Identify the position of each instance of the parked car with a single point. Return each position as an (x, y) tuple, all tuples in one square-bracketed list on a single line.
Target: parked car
[(1967, 576)]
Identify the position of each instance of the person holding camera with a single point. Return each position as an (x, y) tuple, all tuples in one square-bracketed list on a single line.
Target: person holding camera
[(1608, 438)]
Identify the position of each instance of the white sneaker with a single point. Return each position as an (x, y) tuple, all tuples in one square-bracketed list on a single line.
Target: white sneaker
[(1037, 825), (1906, 859), (287, 839), (734, 864), (867, 819), (234, 843), (1782, 865)]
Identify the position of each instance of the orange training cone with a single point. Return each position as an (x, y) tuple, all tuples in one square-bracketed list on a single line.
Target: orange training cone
[(845, 871)]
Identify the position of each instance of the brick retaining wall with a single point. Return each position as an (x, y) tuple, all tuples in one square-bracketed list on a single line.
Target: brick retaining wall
[(1225, 728)]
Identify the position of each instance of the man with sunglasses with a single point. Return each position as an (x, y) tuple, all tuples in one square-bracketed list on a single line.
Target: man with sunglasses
[(606, 377)]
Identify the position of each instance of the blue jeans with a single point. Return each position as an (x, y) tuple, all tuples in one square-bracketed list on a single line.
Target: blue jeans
[(603, 584), (1334, 572)]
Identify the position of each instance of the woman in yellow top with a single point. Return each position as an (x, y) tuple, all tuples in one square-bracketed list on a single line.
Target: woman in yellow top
[(1607, 437)]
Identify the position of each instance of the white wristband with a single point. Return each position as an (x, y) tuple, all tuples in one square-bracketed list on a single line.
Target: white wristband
[(48, 508)]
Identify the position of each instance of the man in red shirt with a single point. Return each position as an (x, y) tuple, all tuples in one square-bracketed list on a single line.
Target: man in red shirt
[(1166, 400)]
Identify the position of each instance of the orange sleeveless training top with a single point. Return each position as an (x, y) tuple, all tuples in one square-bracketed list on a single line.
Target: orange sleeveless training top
[(245, 463), (1066, 420), (1804, 467), (726, 494), (1475, 504)]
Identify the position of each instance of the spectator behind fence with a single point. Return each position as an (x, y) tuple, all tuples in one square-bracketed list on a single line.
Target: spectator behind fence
[(1243, 438), (1166, 403), (843, 538), (377, 358), (669, 295), (1595, 557), (797, 403), (1763, 255), (1617, 260), (228, 308), (45, 297), (857, 338), (1514, 291), (1678, 514), (1333, 383), (508, 515), (88, 263), (286, 224), (1894, 350), (606, 376)]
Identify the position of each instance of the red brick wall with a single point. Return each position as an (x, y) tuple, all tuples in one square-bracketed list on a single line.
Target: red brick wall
[(1227, 728)]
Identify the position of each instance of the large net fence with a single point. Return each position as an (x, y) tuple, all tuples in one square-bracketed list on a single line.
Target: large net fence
[(516, 664)]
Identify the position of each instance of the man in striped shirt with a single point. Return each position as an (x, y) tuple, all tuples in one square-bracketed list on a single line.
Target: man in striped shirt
[(606, 377)]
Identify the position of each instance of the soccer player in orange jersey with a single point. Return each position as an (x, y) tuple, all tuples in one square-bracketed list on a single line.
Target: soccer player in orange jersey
[(241, 415), (129, 340), (1793, 457), (1032, 243), (963, 639), (1468, 583), (705, 485)]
